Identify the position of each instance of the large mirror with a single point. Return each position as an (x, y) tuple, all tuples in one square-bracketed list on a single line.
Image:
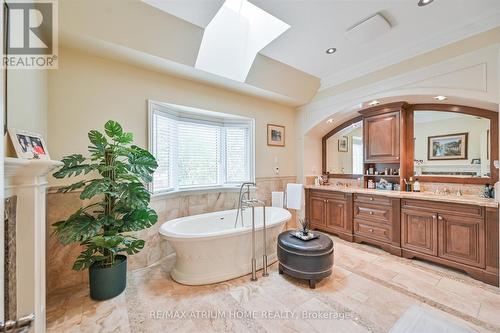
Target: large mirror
[(344, 149), (450, 144)]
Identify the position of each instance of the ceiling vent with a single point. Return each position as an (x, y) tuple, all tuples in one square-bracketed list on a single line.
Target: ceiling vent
[(369, 29)]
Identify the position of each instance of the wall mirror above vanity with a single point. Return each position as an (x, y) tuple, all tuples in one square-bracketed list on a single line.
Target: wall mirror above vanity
[(455, 144), (451, 144), (439, 143), (343, 150)]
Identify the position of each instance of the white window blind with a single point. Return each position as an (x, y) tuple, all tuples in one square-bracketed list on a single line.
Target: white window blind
[(199, 150), (199, 154), (237, 154)]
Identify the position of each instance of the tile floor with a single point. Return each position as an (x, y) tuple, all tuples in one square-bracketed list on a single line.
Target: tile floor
[(368, 291)]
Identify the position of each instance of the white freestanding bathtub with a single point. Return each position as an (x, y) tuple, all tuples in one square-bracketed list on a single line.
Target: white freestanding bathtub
[(210, 249)]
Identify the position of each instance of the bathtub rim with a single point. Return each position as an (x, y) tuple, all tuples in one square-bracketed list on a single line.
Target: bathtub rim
[(171, 236)]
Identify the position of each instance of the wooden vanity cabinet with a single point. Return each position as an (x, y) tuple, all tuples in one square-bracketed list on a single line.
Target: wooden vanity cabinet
[(450, 234), (330, 211), (381, 136), (376, 220)]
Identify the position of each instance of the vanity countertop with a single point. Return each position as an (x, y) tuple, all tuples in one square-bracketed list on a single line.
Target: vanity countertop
[(452, 198)]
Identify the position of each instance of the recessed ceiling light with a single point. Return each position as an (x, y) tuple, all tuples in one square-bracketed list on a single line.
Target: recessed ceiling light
[(373, 103), (329, 121), (331, 50), (422, 3), (440, 98)]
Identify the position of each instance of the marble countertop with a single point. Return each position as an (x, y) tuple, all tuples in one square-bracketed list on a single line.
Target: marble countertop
[(451, 198)]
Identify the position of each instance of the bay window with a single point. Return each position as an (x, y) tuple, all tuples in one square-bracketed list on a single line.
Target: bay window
[(199, 149)]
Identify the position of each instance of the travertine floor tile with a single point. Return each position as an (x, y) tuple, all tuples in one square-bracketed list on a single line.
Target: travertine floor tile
[(368, 292)]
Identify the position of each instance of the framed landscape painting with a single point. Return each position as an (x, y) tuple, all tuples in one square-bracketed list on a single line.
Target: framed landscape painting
[(343, 144), (275, 135), (447, 147)]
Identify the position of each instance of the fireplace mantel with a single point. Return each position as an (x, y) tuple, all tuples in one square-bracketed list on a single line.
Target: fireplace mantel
[(27, 180)]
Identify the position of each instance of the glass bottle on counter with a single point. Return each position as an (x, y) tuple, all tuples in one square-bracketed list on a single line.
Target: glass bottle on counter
[(416, 185)]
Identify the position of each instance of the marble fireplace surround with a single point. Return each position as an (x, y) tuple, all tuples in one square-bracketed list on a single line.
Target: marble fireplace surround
[(59, 206)]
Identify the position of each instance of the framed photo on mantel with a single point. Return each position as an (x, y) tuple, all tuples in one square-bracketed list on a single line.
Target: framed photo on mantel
[(275, 135), (447, 147), (28, 145)]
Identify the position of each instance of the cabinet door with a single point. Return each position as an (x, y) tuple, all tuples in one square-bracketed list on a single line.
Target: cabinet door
[(336, 218), (382, 138), (462, 239), (419, 231), (317, 214)]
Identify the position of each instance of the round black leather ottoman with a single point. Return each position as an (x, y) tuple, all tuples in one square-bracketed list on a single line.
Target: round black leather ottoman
[(311, 260)]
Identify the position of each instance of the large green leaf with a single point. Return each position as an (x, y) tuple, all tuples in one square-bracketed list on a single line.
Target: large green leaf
[(125, 138), (134, 195), (113, 129), (142, 163), (77, 228), (72, 187), (132, 245), (97, 138), (96, 187), (139, 219)]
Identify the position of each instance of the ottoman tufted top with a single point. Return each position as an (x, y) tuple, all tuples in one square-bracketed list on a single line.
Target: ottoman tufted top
[(321, 245)]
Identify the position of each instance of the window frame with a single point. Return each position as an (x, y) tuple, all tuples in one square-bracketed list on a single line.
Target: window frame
[(192, 115)]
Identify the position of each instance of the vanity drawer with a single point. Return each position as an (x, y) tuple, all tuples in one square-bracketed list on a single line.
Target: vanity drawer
[(373, 199), (373, 231), (372, 212), (446, 207)]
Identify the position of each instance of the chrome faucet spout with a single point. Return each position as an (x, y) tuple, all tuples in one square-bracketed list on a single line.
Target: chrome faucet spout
[(240, 201)]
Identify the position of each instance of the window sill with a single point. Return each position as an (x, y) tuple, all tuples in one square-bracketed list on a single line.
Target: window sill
[(194, 191)]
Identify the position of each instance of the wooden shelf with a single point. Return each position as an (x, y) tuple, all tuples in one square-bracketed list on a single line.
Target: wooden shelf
[(386, 176)]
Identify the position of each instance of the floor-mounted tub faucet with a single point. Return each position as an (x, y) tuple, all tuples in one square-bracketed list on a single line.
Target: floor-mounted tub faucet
[(251, 203)]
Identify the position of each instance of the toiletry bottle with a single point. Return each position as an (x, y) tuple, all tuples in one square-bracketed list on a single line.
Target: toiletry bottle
[(486, 192), (416, 186), (409, 185)]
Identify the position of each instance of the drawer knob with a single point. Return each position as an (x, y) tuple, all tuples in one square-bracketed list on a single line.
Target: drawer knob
[(371, 198), (371, 230), (440, 218), (371, 213)]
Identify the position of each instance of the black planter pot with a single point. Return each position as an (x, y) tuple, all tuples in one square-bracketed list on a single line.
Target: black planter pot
[(108, 281)]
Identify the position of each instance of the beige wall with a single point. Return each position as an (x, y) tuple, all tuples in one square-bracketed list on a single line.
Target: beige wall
[(86, 91), (27, 101)]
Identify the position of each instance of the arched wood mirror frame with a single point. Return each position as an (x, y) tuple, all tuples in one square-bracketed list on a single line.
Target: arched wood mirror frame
[(491, 115), (324, 146)]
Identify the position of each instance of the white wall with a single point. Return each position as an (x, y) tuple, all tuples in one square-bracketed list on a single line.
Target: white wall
[(86, 91)]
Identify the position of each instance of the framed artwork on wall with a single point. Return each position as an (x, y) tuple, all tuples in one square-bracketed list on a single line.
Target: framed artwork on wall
[(275, 135), (447, 147), (28, 145), (343, 145)]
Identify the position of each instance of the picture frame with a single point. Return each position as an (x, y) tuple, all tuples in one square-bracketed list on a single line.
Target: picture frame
[(343, 144), (275, 135), (447, 147), (28, 145)]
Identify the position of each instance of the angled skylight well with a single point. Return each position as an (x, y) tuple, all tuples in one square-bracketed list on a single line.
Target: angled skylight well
[(233, 38)]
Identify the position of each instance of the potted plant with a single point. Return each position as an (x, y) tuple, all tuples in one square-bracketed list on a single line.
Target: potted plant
[(118, 173)]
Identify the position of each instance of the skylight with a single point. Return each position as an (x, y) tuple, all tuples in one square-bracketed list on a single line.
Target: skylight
[(233, 38)]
